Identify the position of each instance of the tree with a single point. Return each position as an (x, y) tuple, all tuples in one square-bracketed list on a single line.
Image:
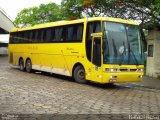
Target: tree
[(79, 8), (27, 17), (36, 15), (49, 12), (147, 11), (144, 10)]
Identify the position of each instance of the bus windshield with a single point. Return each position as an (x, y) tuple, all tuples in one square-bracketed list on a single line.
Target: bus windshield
[(122, 44)]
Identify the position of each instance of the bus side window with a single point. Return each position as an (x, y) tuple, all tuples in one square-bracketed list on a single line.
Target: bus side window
[(15, 39), (30, 36), (26, 35), (19, 37), (58, 33), (36, 36), (74, 32), (33, 36), (44, 35), (63, 35), (22, 37), (11, 38), (69, 36), (48, 35), (41, 35), (79, 32), (52, 34)]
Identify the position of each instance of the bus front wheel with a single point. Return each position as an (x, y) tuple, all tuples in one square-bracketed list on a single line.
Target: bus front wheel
[(21, 64), (28, 66), (79, 74)]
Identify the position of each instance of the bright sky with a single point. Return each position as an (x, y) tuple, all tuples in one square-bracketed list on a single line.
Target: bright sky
[(13, 7)]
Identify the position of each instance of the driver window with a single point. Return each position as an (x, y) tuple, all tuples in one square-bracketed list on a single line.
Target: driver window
[(97, 52)]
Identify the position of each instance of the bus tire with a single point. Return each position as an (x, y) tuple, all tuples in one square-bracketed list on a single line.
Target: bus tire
[(28, 66), (79, 74), (21, 64)]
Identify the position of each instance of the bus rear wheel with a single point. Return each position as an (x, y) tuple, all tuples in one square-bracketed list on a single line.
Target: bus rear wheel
[(21, 64), (79, 74), (28, 66)]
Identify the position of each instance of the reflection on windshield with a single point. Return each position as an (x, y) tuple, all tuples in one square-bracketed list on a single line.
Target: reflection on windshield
[(123, 45)]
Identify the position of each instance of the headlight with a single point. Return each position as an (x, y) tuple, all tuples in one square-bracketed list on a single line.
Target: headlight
[(140, 70), (111, 69)]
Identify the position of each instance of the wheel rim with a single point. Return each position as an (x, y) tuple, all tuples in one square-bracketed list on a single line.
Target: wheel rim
[(81, 74), (21, 64), (28, 65)]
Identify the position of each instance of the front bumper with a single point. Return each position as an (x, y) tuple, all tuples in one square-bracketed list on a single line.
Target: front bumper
[(122, 77)]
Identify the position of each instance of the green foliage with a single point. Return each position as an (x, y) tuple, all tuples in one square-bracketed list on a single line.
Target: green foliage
[(71, 8), (144, 10), (27, 17), (36, 15), (148, 11)]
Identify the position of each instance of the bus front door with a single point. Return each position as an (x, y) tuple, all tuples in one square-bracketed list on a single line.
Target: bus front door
[(96, 58)]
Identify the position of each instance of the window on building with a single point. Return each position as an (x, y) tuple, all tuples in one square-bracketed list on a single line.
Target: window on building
[(150, 50)]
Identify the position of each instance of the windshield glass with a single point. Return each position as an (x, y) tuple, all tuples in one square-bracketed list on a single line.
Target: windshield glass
[(122, 44)]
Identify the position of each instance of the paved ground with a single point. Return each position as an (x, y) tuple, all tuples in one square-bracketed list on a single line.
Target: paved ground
[(148, 82), (42, 93)]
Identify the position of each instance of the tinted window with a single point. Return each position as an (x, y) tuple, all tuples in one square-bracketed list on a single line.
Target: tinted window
[(79, 32), (58, 33), (52, 34), (74, 32), (70, 33), (26, 37), (48, 35), (36, 36), (97, 52), (92, 27), (66, 33)]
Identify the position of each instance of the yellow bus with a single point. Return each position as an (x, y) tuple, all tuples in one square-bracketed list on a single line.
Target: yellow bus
[(99, 49)]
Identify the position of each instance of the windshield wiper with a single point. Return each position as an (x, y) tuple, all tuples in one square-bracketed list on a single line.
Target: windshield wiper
[(122, 55), (114, 47), (131, 51)]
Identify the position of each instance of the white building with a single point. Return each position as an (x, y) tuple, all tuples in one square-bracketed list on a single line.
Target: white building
[(153, 59), (4, 39), (5, 26)]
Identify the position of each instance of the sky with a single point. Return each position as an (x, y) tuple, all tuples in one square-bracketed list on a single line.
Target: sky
[(13, 7)]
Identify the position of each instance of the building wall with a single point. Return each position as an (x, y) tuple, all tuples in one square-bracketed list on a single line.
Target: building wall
[(3, 50), (153, 63), (4, 38), (5, 22), (150, 61), (6, 26)]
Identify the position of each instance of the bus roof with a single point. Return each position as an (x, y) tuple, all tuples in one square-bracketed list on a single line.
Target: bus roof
[(59, 23)]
